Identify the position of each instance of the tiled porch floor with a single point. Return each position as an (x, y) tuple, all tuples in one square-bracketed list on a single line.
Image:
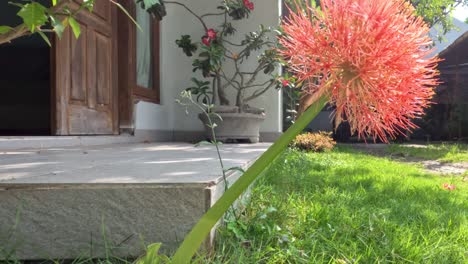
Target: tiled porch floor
[(122, 163)]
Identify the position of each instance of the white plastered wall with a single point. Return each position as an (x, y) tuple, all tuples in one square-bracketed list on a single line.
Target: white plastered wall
[(176, 67)]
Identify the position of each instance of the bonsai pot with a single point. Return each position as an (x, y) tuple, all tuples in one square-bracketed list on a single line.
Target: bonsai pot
[(235, 126)]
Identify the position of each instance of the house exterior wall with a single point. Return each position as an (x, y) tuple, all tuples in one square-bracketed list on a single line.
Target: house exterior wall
[(447, 119), (176, 71)]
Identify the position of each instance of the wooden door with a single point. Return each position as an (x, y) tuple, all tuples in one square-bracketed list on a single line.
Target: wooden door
[(85, 91)]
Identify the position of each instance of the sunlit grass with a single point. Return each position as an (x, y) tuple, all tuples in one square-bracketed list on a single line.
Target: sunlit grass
[(348, 207), (441, 152)]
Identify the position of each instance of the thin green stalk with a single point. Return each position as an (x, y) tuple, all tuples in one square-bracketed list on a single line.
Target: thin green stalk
[(211, 125), (200, 231), (208, 112), (215, 142)]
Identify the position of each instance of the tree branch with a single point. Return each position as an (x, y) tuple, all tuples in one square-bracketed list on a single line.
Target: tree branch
[(22, 30), (256, 85), (190, 11), (259, 92), (213, 14)]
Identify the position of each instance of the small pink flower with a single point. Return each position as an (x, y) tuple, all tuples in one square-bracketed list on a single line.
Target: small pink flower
[(211, 34), (206, 41), (449, 187), (285, 83), (249, 4)]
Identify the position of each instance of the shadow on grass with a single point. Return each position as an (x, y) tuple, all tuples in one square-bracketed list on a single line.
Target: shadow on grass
[(440, 152)]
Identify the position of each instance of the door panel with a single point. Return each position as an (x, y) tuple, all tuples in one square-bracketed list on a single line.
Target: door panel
[(103, 59), (101, 9), (78, 59), (85, 75)]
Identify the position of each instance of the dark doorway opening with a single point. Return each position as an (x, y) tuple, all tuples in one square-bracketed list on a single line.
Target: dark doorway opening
[(25, 81)]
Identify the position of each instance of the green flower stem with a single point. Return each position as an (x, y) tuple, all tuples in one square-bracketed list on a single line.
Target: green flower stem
[(195, 238)]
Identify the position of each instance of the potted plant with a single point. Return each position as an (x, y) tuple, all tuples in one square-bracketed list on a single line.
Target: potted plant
[(215, 52)]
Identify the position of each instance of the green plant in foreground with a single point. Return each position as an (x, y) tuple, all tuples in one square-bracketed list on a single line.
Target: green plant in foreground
[(207, 109)]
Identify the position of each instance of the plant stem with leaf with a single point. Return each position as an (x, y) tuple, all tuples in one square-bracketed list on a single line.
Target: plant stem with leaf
[(207, 110), (195, 238)]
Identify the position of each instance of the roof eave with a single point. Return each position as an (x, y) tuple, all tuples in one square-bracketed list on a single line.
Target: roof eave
[(453, 44)]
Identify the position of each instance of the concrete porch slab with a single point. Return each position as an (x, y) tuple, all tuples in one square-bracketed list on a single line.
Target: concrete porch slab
[(47, 142), (65, 203)]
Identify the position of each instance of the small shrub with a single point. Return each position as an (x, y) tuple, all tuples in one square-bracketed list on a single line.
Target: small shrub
[(316, 142)]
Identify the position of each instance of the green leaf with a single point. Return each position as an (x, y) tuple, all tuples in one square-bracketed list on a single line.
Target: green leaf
[(54, 2), (195, 238), (5, 29), (33, 15), (152, 256), (154, 7), (75, 26), (16, 4), (213, 125), (215, 115), (239, 169), (151, 3), (203, 143), (44, 37), (127, 14), (59, 27), (88, 4), (185, 43)]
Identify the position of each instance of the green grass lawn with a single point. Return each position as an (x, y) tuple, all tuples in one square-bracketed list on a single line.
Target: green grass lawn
[(441, 152), (348, 207)]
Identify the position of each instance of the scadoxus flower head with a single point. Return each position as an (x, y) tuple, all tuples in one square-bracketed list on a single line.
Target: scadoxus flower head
[(371, 57)]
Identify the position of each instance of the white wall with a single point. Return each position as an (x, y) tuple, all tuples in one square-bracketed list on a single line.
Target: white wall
[(176, 67)]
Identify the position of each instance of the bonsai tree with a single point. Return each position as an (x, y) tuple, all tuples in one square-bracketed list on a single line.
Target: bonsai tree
[(214, 52)]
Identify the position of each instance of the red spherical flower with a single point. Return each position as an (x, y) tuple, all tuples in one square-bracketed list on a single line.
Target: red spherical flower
[(211, 34), (285, 83), (370, 57), (449, 187), (249, 4), (206, 41)]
